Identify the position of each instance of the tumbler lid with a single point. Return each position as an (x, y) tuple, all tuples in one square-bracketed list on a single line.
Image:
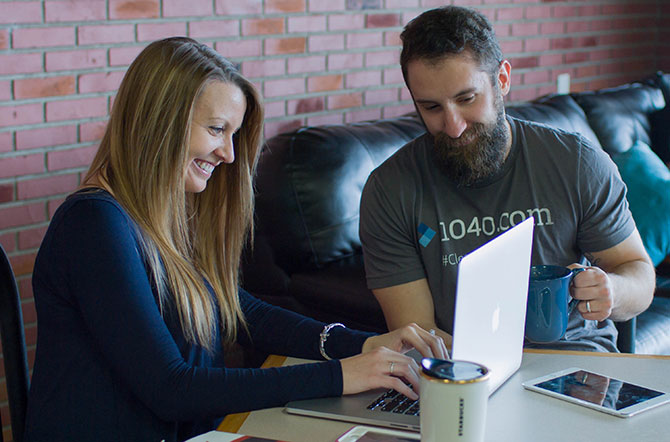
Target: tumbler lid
[(456, 372)]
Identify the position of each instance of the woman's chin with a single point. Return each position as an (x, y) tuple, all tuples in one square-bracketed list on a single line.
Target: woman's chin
[(196, 186)]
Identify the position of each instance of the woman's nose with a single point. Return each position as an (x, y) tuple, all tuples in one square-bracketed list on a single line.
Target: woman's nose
[(226, 152)]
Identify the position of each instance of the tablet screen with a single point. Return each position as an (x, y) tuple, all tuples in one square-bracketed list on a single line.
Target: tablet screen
[(598, 389)]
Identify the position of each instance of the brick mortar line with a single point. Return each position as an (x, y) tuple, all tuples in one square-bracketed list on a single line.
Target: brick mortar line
[(48, 124), (327, 14), (309, 74), (584, 63), (336, 92), (519, 86), (46, 149), (328, 30), (578, 80), (336, 111), (34, 176), (65, 72), (107, 46), (58, 98), (19, 229)]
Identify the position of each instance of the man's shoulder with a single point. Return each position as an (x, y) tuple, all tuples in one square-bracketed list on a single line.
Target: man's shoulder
[(413, 154), (545, 132), (545, 140)]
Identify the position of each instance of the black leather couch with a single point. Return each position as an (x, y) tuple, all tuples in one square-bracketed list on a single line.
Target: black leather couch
[(307, 254)]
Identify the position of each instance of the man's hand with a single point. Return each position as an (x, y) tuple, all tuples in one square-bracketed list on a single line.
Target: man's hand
[(620, 285), (594, 290)]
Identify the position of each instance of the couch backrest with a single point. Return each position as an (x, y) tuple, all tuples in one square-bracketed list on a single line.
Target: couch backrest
[(660, 133), (309, 181), (309, 186), (559, 111), (620, 116)]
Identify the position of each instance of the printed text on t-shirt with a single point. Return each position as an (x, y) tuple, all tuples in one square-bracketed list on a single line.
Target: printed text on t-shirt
[(486, 225)]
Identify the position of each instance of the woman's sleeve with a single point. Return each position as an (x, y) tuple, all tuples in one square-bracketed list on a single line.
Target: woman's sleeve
[(280, 331), (109, 285)]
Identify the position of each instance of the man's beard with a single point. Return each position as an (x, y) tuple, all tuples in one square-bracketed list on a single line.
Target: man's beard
[(477, 154)]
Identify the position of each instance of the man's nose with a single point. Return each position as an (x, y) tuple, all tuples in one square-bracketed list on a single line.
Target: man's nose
[(454, 124)]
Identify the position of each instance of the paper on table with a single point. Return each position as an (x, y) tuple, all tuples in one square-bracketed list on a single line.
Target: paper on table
[(220, 436)]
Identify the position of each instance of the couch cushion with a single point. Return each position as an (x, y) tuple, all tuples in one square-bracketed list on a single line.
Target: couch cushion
[(339, 292), (620, 116), (309, 185), (648, 182), (653, 328), (559, 111)]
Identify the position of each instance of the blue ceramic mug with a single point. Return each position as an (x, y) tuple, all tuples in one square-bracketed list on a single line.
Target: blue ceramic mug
[(549, 302)]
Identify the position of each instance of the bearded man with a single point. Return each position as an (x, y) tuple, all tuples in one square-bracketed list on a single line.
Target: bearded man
[(476, 173)]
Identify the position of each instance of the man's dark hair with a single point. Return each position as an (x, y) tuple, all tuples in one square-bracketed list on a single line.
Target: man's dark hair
[(447, 31)]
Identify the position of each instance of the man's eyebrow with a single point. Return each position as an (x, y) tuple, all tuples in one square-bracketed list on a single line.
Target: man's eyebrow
[(467, 91), (426, 100)]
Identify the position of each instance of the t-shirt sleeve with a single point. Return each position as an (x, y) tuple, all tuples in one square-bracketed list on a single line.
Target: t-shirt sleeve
[(109, 285), (606, 219), (387, 234)]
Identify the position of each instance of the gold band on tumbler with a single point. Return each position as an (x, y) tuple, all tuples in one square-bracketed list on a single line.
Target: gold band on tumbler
[(481, 378)]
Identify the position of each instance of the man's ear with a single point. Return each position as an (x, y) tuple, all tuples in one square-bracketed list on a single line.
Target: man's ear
[(505, 77)]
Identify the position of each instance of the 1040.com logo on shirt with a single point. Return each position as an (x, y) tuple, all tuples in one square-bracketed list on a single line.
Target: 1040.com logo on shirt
[(491, 226)]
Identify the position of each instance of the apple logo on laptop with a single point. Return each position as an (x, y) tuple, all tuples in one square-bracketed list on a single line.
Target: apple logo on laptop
[(495, 319)]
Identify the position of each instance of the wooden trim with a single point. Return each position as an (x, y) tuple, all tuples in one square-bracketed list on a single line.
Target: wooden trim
[(233, 422)]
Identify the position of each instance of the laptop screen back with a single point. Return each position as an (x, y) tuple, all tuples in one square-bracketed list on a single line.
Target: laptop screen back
[(491, 294)]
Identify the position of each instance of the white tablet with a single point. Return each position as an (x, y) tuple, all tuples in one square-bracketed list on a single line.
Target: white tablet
[(597, 391)]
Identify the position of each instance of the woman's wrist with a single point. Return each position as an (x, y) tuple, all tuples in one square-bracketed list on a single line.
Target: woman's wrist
[(323, 338)]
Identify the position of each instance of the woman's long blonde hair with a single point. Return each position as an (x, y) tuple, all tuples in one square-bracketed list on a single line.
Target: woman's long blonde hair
[(185, 239)]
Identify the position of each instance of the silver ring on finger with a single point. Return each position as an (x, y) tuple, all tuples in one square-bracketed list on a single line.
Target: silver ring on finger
[(588, 306), (391, 366)]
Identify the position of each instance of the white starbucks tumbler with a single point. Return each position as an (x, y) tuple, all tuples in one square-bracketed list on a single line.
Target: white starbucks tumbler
[(454, 397)]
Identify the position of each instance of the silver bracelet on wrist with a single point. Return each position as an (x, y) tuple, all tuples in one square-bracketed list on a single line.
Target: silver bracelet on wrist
[(324, 336)]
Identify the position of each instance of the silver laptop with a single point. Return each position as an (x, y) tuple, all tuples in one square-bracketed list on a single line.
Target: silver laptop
[(489, 323)]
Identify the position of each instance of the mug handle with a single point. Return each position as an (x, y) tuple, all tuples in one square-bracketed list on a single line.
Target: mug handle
[(573, 302)]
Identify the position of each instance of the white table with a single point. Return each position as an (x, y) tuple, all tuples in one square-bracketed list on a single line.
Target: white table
[(514, 414)]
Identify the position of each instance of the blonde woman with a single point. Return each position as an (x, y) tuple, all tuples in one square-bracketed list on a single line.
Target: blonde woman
[(135, 283)]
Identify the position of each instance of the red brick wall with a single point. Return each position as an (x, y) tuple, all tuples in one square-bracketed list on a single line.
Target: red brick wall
[(664, 37), (315, 61)]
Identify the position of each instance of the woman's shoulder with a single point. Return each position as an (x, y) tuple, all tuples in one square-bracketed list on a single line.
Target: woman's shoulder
[(92, 209), (92, 194), (89, 199)]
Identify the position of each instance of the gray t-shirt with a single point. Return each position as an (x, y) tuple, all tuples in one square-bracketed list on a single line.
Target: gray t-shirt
[(415, 223)]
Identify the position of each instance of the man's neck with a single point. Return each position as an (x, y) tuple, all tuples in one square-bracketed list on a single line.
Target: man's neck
[(508, 145)]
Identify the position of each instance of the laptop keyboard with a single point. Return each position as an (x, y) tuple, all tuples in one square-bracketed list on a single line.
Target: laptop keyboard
[(395, 402)]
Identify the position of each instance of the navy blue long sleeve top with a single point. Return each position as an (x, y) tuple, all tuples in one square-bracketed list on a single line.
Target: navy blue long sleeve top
[(110, 367)]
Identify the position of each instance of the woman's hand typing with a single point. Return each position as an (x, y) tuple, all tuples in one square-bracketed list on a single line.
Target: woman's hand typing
[(382, 363)]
